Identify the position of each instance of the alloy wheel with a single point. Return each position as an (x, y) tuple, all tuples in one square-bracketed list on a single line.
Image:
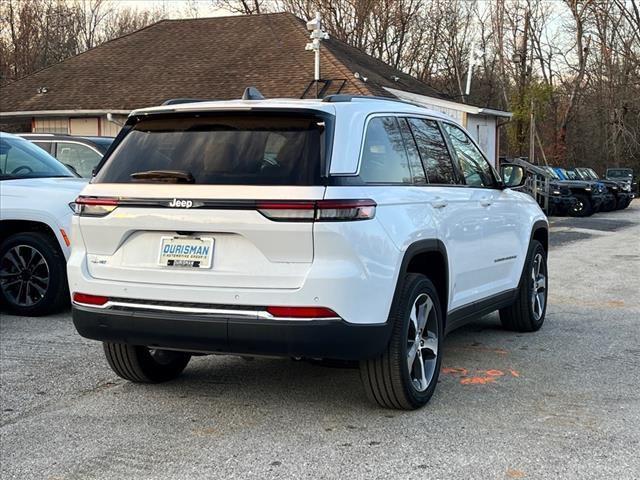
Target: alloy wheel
[(24, 275), (539, 286), (422, 342)]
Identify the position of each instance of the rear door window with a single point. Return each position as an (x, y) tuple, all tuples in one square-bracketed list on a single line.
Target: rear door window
[(81, 158), (475, 168), (433, 150), (384, 157), (257, 148)]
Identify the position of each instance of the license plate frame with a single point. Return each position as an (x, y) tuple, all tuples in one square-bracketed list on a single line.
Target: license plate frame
[(199, 256)]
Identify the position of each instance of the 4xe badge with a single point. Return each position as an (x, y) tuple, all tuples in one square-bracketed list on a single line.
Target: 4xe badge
[(175, 203)]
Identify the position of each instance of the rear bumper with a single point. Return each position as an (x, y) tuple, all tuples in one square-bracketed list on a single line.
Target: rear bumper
[(334, 339)]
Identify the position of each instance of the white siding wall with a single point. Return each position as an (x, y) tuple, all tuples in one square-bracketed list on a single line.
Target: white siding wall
[(51, 125), (110, 129), (79, 126), (483, 130)]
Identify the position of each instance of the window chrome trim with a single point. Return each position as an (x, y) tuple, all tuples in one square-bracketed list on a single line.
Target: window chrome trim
[(47, 140)]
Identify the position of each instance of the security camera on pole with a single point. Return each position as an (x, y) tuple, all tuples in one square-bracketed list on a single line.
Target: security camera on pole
[(317, 34)]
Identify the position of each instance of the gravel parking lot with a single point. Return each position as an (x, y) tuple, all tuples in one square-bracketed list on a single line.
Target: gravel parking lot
[(560, 403)]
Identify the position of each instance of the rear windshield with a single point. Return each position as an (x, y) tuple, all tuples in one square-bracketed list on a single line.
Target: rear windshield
[(222, 149)]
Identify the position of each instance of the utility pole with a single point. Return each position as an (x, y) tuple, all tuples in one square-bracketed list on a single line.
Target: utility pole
[(532, 135), (474, 57), (520, 58)]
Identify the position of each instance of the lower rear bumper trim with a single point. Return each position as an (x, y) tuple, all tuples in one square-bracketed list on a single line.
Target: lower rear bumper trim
[(322, 338)]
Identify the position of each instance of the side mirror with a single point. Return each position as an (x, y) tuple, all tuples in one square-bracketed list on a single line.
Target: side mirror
[(512, 175)]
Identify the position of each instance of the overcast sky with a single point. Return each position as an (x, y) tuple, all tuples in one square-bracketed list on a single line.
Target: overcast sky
[(174, 8)]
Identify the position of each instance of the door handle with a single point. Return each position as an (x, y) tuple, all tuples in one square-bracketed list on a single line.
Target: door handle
[(439, 202), (486, 201)]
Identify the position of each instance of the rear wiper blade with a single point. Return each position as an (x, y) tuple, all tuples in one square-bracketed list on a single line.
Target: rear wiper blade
[(168, 176)]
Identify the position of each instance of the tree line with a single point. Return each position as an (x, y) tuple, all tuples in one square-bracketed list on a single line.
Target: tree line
[(574, 64)]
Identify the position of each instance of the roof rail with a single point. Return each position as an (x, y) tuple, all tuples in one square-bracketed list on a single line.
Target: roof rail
[(177, 101), (35, 134), (340, 98)]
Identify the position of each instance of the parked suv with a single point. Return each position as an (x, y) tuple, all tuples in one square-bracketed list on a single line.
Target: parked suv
[(351, 228), (590, 195), (623, 175), (620, 192), (80, 154), (36, 195)]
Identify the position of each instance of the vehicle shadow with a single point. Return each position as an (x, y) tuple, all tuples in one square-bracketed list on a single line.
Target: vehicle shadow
[(290, 385)]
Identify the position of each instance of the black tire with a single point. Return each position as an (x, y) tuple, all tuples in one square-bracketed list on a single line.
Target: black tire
[(522, 315), (143, 365), (387, 379), (623, 203), (583, 207), (31, 296)]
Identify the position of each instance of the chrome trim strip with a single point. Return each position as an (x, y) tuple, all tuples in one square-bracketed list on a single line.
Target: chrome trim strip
[(249, 314)]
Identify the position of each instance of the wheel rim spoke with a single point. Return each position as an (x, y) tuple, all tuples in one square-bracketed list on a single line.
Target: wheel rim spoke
[(411, 356), (422, 342), (430, 346), (41, 291), (11, 256), (539, 287), (422, 376)]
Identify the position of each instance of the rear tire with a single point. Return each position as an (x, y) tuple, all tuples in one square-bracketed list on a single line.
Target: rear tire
[(583, 206), (527, 313), (406, 374), (143, 365), (33, 277)]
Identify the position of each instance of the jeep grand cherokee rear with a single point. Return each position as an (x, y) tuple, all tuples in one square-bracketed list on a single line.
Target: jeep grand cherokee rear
[(317, 229)]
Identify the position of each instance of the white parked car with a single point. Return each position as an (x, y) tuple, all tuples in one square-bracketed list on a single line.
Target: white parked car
[(351, 228), (35, 216)]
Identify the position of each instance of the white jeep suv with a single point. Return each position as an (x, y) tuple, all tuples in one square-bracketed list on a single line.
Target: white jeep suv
[(349, 228)]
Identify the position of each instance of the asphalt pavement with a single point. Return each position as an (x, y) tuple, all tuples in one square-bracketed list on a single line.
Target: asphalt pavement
[(560, 403)]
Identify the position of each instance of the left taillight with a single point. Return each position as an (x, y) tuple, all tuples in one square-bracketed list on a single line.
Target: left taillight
[(95, 206)]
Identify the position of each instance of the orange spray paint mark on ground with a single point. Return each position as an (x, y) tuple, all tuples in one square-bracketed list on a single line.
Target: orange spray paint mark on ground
[(513, 473), (455, 371), (477, 380)]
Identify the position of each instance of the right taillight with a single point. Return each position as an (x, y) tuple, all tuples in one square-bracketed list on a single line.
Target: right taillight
[(319, 211), (345, 210), (95, 206)]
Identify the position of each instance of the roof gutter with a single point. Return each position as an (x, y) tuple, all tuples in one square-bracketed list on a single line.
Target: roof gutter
[(61, 113)]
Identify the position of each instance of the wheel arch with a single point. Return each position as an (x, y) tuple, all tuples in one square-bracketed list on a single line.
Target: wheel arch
[(540, 232), (427, 257), (11, 227)]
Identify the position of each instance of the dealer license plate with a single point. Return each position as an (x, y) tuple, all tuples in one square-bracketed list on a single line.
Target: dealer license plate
[(186, 252)]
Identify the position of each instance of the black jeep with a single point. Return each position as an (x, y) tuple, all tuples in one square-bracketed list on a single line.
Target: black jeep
[(590, 195), (620, 192), (623, 175)]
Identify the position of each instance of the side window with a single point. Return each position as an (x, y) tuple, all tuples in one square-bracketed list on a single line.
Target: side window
[(18, 162), (384, 158), (475, 168), (415, 164), (433, 150), (46, 146), (82, 158)]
